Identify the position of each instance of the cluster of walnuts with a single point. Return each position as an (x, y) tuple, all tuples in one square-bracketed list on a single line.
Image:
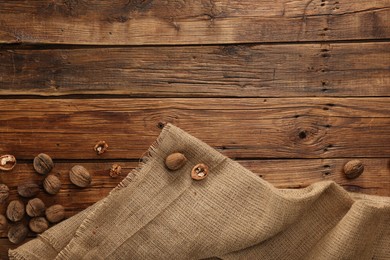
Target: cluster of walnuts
[(38, 216), (20, 217)]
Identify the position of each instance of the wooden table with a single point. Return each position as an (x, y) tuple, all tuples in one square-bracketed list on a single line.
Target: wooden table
[(291, 89)]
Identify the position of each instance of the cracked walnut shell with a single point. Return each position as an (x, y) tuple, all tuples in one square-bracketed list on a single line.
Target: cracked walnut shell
[(101, 147), (115, 170), (199, 172), (7, 162)]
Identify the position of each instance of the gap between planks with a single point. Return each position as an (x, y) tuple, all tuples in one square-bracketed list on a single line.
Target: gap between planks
[(61, 46)]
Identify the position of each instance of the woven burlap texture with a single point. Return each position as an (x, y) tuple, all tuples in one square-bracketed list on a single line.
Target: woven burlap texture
[(155, 213)]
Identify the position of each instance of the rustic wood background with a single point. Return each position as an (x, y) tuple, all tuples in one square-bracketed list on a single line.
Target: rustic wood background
[(291, 89)]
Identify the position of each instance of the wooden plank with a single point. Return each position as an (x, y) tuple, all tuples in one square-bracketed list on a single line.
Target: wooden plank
[(237, 70), (252, 127), (191, 22)]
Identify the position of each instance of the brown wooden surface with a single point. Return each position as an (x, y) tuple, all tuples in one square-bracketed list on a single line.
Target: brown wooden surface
[(252, 127), (291, 89), (338, 69), (139, 22)]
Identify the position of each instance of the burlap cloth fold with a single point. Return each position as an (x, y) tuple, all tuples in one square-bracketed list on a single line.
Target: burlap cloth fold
[(155, 213)]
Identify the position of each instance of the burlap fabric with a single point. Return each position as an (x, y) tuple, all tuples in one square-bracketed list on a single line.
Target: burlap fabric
[(156, 213)]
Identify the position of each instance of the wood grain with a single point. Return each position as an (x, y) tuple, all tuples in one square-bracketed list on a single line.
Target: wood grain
[(237, 70), (139, 22), (5, 245), (252, 127), (291, 89)]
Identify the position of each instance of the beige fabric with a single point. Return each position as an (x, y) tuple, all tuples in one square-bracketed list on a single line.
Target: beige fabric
[(232, 214)]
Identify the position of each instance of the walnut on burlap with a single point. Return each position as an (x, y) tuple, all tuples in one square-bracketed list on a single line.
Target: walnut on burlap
[(155, 213)]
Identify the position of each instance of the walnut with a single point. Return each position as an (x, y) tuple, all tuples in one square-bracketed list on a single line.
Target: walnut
[(199, 172), (100, 147), (175, 161), (17, 233), (15, 210), (4, 193), (52, 184), (55, 213), (28, 189), (38, 224), (115, 170), (79, 176), (43, 164), (7, 162), (353, 169), (35, 207)]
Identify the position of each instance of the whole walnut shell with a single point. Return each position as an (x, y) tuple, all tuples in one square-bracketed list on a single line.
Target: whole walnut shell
[(28, 189), (3, 223), (43, 163), (79, 176), (353, 169), (175, 161), (17, 233), (38, 224), (15, 210), (4, 193), (35, 207), (52, 184), (55, 213)]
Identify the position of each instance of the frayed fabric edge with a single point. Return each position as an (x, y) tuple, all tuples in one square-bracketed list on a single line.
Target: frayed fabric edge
[(145, 160)]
